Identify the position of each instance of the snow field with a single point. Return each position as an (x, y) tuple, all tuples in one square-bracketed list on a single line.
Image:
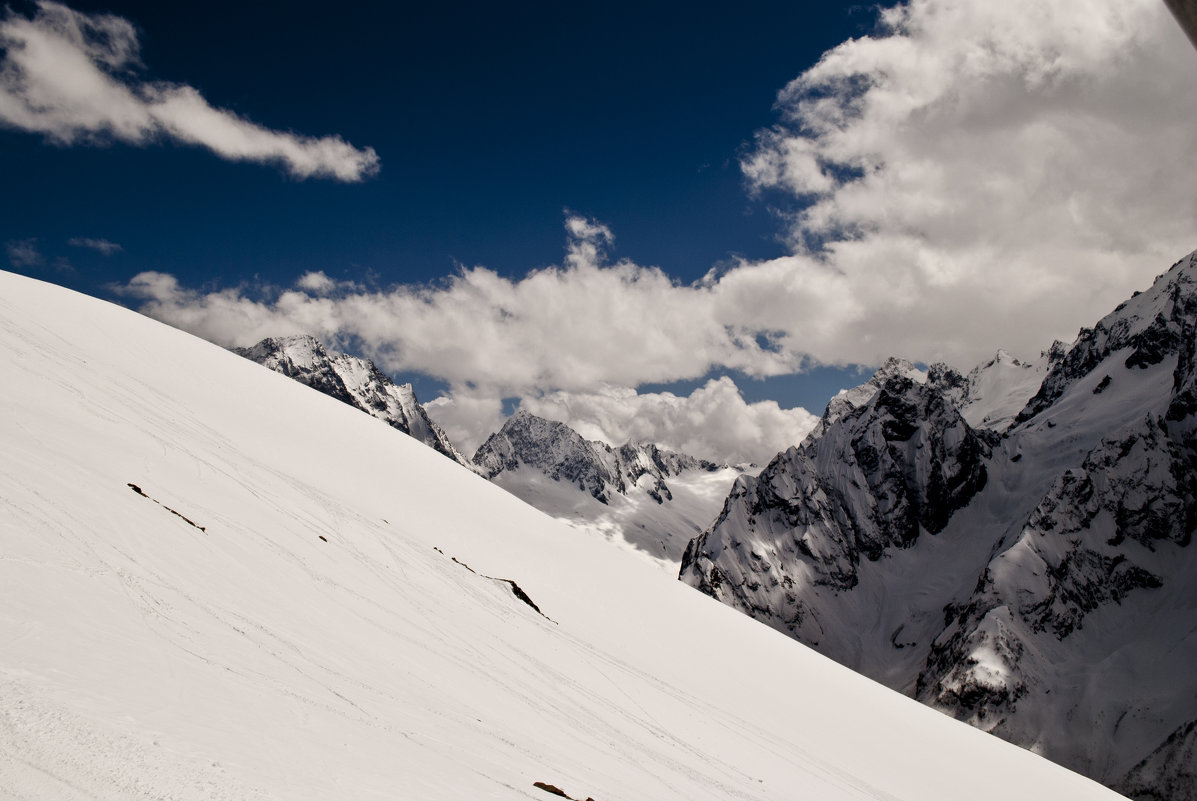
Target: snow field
[(141, 657)]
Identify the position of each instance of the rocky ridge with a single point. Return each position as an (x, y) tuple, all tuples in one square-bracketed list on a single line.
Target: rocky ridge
[(354, 381), (651, 498), (561, 453), (1035, 585)]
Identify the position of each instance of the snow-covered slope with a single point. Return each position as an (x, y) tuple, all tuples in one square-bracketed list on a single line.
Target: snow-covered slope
[(993, 393), (1038, 584), (205, 596), (638, 494), (357, 382)]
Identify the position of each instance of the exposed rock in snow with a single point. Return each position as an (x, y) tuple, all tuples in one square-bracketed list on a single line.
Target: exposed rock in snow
[(877, 477), (849, 399), (1150, 327), (653, 499), (354, 381), (1052, 608)]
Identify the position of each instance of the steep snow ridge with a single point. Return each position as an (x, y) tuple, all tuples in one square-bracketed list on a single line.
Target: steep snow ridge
[(357, 382), (321, 637), (1169, 772), (1151, 326), (638, 494), (1051, 609)]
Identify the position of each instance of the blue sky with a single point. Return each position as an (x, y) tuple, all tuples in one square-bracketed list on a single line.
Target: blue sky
[(489, 121), (578, 207)]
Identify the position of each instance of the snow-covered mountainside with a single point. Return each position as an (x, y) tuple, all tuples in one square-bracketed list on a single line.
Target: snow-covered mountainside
[(1037, 583), (993, 393), (196, 603), (357, 382), (653, 499)]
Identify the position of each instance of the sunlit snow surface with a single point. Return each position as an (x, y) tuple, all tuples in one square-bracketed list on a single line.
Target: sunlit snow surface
[(311, 642)]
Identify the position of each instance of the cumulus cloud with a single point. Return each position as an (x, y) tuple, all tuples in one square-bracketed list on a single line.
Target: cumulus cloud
[(573, 327), (467, 417), (978, 174), (24, 253), (559, 338), (971, 176), (72, 77), (101, 245), (714, 421)]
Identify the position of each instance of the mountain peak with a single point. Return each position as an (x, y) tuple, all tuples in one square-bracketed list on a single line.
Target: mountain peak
[(1149, 327), (1049, 606), (354, 381)]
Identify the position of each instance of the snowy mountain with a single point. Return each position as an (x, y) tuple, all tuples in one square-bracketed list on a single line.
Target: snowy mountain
[(993, 393), (1037, 582), (620, 494), (196, 604), (652, 499), (354, 381)]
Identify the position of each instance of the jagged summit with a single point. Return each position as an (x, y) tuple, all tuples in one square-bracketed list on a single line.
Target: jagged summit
[(1018, 556), (875, 478), (849, 399), (649, 497), (562, 454), (355, 381)]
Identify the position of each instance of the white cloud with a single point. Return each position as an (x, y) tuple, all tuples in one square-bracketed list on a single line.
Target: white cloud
[(713, 422), (24, 253), (71, 77), (983, 174), (557, 337), (101, 245), (574, 327), (467, 417), (977, 175), (317, 283)]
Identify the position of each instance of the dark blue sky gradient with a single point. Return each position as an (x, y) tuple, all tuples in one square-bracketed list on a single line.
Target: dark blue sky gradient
[(490, 121)]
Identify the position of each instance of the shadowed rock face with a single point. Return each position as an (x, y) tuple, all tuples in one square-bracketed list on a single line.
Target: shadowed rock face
[(356, 382), (1088, 544), (1035, 580), (875, 478)]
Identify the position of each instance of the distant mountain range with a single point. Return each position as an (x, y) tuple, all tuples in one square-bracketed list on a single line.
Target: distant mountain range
[(1012, 547), (640, 495), (650, 498)]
